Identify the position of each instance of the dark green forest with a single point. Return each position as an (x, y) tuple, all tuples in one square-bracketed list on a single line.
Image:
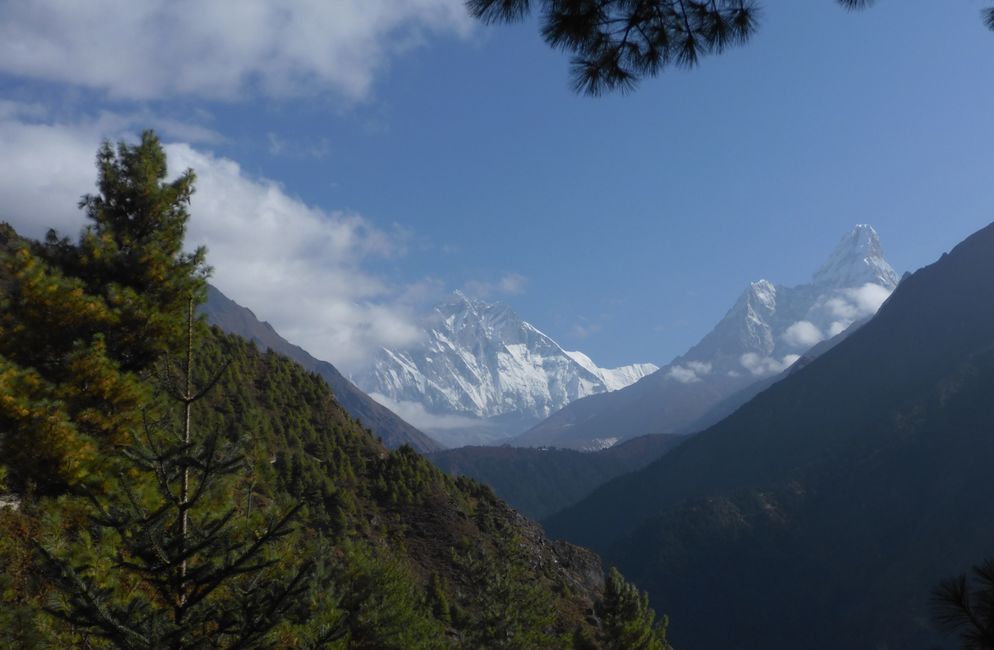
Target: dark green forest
[(541, 482), (167, 485)]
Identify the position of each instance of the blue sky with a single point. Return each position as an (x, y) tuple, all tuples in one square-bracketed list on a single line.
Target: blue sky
[(417, 153)]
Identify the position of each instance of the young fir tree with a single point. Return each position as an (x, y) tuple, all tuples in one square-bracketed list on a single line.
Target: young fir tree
[(628, 623), (192, 569)]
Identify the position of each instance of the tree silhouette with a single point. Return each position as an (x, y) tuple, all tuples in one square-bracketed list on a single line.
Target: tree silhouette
[(616, 43), (968, 610)]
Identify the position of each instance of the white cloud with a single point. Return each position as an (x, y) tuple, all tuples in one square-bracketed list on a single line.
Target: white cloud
[(217, 48), (838, 327), (43, 172), (761, 366), (847, 306), (415, 413), (690, 372), (868, 297), (298, 266), (803, 334), (301, 268)]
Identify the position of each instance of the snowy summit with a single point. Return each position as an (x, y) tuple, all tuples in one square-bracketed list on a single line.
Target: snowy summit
[(482, 374)]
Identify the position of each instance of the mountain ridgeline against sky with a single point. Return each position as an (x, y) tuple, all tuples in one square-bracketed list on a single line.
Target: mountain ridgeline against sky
[(767, 329), (822, 513), (482, 374), (235, 319)]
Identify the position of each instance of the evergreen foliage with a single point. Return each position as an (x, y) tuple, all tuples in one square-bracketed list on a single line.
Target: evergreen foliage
[(962, 608), (541, 482), (616, 43), (191, 572), (628, 621), (81, 324), (510, 611)]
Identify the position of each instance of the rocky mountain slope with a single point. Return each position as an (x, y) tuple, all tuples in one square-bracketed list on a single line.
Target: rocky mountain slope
[(767, 329)]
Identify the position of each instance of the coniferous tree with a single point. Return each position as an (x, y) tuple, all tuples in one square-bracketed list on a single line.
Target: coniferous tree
[(193, 571), (509, 611), (616, 43), (81, 325), (627, 620), (962, 608)]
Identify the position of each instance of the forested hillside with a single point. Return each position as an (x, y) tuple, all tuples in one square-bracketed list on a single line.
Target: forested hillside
[(172, 486), (235, 319), (540, 482)]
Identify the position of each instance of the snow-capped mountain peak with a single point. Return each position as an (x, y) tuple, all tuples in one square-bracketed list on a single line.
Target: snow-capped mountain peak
[(480, 360), (768, 328), (857, 259), (770, 325)]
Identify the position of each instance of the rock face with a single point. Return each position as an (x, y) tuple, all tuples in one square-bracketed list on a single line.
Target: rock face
[(767, 329), (482, 373)]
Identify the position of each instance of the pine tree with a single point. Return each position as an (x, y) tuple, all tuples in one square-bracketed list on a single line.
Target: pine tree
[(509, 611), (439, 601), (81, 325), (61, 392), (628, 623), (617, 43), (959, 607)]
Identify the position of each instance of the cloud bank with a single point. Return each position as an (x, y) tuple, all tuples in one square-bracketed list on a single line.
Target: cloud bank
[(761, 366), (834, 314), (217, 49), (305, 270), (803, 334), (416, 414), (690, 372)]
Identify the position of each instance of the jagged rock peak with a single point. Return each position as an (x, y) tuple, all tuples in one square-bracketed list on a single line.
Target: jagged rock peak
[(857, 259)]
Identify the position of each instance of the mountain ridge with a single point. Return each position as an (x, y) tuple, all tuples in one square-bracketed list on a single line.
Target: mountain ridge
[(766, 330), (236, 319), (853, 485)]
